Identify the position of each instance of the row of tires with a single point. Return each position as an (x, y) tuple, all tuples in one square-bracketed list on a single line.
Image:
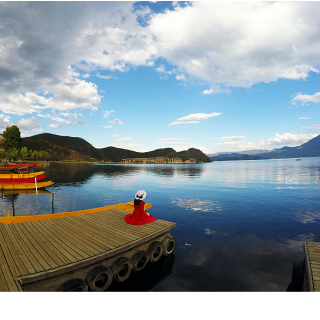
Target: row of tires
[(101, 277)]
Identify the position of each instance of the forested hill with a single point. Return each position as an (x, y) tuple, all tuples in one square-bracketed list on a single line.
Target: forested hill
[(78, 149)]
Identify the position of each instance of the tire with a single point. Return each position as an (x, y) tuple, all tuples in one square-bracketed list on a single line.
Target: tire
[(121, 269), (298, 270), (169, 244), (140, 260), (99, 278), (74, 285), (155, 251)]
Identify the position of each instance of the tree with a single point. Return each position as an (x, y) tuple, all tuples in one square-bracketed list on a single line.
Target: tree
[(24, 152), (11, 138)]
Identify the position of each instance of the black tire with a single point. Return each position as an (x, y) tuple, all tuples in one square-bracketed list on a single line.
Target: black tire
[(74, 285), (169, 244), (155, 251), (99, 278), (140, 260), (298, 270), (121, 269)]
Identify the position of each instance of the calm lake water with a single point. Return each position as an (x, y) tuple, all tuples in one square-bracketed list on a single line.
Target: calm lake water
[(239, 224)]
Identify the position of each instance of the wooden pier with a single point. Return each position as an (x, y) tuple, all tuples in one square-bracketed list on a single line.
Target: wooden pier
[(312, 268), (74, 253)]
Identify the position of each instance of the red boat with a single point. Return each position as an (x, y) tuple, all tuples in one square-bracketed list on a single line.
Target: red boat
[(21, 180), (29, 165)]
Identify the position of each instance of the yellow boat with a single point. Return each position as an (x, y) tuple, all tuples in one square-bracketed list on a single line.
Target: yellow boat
[(23, 186), (128, 206), (21, 175), (21, 191)]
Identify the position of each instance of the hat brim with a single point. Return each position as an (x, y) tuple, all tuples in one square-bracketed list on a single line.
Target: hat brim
[(140, 198)]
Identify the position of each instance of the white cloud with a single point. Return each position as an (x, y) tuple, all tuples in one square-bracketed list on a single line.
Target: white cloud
[(132, 145), (106, 127), (27, 125), (315, 126), (234, 138), (287, 139), (116, 121), (103, 77), (106, 113), (125, 139), (115, 135), (194, 118), (168, 139), (305, 98), (304, 118), (181, 77), (4, 122)]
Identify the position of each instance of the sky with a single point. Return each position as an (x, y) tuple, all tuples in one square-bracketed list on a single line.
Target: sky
[(216, 76)]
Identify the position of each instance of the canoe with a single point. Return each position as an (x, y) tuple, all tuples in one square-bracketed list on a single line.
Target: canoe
[(20, 165), (14, 186), (8, 169), (21, 180), (127, 206), (20, 175), (20, 191)]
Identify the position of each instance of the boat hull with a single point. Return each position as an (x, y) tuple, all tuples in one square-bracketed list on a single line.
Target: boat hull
[(20, 175), (21, 180), (23, 186)]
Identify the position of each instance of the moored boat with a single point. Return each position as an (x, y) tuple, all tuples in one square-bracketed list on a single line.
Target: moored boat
[(21, 175), (14, 186), (21, 179)]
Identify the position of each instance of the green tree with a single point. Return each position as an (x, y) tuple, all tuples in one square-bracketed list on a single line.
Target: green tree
[(183, 157), (12, 154), (2, 156), (24, 152), (34, 154), (11, 139)]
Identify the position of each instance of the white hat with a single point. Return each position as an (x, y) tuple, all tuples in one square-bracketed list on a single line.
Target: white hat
[(140, 195)]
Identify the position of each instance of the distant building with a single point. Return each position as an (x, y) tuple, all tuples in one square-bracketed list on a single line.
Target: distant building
[(159, 159), (193, 160)]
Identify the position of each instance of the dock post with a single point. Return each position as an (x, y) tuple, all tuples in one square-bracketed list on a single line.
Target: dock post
[(52, 197), (35, 181)]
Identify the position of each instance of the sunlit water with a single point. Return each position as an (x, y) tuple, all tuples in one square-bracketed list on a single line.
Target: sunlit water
[(239, 224)]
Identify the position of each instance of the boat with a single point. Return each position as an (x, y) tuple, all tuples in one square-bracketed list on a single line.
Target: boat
[(22, 191), (298, 159), (127, 206), (20, 175), (14, 186), (21, 179)]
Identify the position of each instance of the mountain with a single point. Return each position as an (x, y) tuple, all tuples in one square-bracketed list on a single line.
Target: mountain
[(78, 149), (308, 149), (240, 157)]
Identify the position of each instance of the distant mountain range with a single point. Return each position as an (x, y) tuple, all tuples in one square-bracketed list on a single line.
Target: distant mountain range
[(308, 149), (78, 149)]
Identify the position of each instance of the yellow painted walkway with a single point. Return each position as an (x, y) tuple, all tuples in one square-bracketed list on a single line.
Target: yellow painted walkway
[(313, 265)]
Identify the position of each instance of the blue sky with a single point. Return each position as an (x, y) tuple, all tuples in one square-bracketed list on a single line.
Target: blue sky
[(217, 76)]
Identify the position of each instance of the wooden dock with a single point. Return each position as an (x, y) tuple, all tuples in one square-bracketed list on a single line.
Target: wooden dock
[(41, 255), (312, 250)]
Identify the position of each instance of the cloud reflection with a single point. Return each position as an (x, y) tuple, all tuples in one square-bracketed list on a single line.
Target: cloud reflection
[(197, 204)]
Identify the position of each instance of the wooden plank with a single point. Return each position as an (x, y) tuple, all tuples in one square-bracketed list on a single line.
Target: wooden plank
[(102, 242), (78, 237), (18, 246), (24, 247), (308, 268), (106, 230), (66, 239), (57, 255), (112, 229), (44, 251), (3, 284), (30, 243), (9, 260), (60, 245), (94, 259), (8, 278), (14, 253), (138, 230)]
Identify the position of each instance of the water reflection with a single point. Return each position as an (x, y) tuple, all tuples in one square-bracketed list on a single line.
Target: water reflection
[(197, 204), (148, 278)]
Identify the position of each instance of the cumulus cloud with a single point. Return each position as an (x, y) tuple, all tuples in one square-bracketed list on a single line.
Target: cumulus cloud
[(288, 139), (125, 139), (116, 121), (233, 138), (106, 113), (27, 125), (315, 126), (305, 98), (194, 118)]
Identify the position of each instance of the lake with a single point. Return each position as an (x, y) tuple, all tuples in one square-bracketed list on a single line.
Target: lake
[(239, 224)]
